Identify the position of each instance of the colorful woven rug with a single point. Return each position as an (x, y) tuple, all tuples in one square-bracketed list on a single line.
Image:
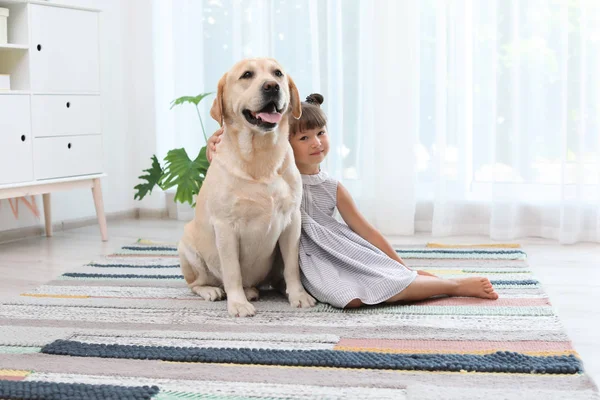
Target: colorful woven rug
[(128, 327)]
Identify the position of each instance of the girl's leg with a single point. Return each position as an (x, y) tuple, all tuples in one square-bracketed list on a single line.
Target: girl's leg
[(354, 303), (424, 287)]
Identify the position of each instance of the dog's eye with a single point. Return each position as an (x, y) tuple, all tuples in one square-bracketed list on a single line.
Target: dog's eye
[(278, 73), (247, 75)]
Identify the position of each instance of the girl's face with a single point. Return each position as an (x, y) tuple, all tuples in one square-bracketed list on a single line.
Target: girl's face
[(310, 146)]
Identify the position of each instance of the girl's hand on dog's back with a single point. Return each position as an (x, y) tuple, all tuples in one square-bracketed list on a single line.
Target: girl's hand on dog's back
[(211, 146)]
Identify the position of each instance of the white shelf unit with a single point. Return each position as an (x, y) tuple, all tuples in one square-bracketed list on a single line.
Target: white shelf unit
[(7, 47), (50, 121)]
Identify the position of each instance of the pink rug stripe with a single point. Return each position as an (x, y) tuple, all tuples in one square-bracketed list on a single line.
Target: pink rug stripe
[(471, 301), (12, 378)]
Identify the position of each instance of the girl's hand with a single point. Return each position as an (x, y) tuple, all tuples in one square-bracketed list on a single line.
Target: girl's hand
[(211, 146)]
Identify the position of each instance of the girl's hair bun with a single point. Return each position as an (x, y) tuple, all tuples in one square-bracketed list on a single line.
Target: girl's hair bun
[(315, 98)]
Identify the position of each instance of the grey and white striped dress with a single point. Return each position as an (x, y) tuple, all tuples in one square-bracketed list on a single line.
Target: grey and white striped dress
[(337, 264)]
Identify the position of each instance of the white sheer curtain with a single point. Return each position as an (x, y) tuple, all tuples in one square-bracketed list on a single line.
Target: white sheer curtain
[(455, 116), (509, 118)]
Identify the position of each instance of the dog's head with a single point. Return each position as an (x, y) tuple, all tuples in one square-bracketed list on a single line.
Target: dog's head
[(256, 92)]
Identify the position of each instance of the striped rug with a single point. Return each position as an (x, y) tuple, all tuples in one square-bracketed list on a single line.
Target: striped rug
[(127, 327)]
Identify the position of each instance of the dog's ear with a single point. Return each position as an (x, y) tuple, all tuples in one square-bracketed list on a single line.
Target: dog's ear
[(217, 111), (295, 99)]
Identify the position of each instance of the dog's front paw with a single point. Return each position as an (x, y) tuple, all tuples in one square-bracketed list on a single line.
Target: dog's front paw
[(240, 309), (301, 300), (210, 293)]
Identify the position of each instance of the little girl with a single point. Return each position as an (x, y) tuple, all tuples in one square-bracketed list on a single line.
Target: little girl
[(348, 265)]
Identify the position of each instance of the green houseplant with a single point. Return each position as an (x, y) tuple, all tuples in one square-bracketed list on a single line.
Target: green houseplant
[(179, 170)]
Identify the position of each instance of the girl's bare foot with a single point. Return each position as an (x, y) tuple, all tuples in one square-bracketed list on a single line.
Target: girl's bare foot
[(475, 287)]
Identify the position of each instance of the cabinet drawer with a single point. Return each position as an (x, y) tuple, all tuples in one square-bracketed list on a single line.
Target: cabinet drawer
[(16, 155), (64, 50), (65, 115), (59, 157)]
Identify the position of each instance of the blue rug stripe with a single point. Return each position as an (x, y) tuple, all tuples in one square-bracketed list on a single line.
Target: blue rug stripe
[(524, 282), (496, 362), (124, 276), (96, 265), (27, 390), (419, 251), (149, 248), (443, 251)]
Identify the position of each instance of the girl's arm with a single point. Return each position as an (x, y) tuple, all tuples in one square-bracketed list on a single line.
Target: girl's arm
[(357, 222)]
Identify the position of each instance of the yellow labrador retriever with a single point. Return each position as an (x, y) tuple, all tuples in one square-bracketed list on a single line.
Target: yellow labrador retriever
[(250, 200)]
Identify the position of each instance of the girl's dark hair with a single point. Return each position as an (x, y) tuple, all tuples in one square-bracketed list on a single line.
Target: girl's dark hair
[(312, 115)]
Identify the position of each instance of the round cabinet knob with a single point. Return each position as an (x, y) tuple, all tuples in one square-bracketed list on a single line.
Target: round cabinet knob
[(68, 104), (69, 145), (39, 47), (23, 137)]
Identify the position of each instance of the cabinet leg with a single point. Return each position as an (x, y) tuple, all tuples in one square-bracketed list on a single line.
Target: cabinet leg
[(47, 214), (99, 203)]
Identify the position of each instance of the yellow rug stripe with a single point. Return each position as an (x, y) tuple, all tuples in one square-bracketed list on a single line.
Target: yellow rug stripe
[(153, 242), (14, 372), (492, 245), (444, 271)]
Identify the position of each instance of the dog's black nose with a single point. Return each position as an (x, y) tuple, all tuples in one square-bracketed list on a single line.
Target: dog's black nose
[(270, 87)]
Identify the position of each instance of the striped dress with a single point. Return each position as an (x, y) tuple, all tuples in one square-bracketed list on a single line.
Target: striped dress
[(337, 264)]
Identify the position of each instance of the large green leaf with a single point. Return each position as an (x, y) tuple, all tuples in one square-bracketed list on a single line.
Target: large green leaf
[(195, 100), (179, 170), (202, 159), (190, 99), (152, 178), (184, 173)]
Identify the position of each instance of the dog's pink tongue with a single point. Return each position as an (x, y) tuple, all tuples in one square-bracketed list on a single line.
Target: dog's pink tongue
[(272, 118)]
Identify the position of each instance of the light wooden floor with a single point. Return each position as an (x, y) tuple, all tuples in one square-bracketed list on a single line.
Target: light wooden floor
[(570, 274)]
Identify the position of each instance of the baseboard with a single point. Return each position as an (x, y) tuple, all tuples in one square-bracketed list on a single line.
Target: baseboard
[(151, 213), (81, 222), (39, 230), (21, 233)]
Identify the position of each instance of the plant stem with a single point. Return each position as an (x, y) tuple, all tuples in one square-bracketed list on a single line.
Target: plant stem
[(202, 125)]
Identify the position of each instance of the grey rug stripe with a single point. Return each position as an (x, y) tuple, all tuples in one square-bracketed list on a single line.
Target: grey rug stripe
[(382, 332)]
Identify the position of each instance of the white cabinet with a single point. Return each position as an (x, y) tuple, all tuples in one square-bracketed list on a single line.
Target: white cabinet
[(59, 115), (16, 163), (64, 50), (50, 123), (66, 156)]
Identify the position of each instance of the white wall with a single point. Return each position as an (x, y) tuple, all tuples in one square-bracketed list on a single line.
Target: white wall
[(141, 91), (127, 115)]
